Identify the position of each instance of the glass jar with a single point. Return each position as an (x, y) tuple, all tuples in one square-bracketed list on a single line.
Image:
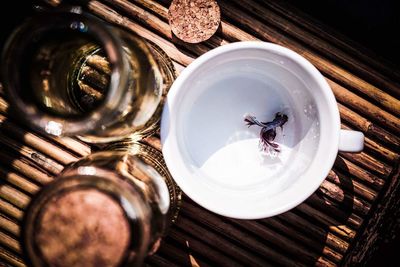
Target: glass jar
[(109, 209), (69, 73)]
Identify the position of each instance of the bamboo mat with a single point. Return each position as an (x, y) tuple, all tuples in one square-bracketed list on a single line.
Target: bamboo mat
[(338, 225)]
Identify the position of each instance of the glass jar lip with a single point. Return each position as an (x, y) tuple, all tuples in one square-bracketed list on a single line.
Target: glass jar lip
[(12, 57)]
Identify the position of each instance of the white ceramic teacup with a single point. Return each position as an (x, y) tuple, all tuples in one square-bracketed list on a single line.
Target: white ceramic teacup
[(216, 159)]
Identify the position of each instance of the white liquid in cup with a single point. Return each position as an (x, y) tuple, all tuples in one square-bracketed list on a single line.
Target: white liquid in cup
[(221, 146)]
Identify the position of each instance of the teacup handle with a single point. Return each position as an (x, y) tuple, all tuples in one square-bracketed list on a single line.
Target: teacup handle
[(351, 141)]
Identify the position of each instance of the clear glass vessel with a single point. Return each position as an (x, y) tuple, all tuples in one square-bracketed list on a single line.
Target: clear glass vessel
[(69, 73), (109, 209)]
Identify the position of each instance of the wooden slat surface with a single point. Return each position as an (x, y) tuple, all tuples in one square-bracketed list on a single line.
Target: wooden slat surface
[(326, 230)]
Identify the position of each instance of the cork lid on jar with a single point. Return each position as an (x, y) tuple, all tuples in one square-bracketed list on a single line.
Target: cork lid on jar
[(194, 21), (83, 227)]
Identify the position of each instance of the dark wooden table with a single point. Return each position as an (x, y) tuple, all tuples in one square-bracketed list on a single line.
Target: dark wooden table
[(338, 225)]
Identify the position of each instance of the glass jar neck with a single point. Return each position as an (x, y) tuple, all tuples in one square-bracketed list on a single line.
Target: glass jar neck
[(37, 85)]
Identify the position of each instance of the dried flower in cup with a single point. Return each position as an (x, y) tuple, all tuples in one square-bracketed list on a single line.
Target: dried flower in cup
[(268, 130)]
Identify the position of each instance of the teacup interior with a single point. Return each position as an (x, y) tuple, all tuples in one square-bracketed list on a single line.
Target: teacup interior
[(217, 144)]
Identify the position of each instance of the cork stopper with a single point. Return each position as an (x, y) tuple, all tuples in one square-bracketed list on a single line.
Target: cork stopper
[(84, 228), (194, 21)]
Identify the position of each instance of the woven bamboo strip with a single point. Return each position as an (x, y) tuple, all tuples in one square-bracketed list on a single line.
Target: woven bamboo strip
[(9, 242), (79, 148), (25, 168), (297, 250), (335, 209), (361, 105), (352, 187), (320, 247), (73, 145), (201, 248), (10, 210), (36, 142), (370, 146), (368, 162), (306, 227), (18, 181), (365, 176), (337, 193), (348, 191), (9, 226), (336, 227), (158, 261), (334, 38), (228, 231), (176, 254), (14, 196), (11, 258), (46, 163), (156, 8)]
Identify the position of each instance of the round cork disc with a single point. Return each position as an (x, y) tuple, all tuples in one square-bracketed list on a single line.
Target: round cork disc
[(82, 228), (194, 21)]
